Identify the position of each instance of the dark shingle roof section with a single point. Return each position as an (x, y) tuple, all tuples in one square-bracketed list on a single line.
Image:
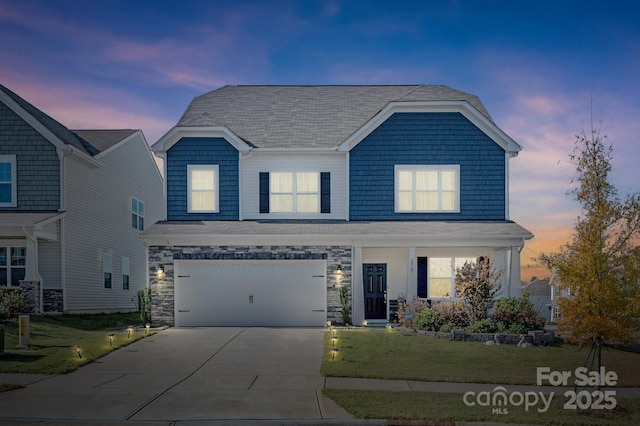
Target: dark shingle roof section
[(60, 131), (104, 139), (309, 116)]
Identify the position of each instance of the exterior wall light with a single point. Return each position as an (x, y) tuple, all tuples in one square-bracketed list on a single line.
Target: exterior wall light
[(160, 271), (339, 270)]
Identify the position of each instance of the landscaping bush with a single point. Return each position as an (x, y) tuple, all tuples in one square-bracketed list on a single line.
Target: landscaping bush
[(413, 307), (427, 319), (517, 315), (451, 312), (482, 326), (11, 303)]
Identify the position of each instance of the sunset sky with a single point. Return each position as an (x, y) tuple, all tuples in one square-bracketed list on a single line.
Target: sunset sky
[(545, 70)]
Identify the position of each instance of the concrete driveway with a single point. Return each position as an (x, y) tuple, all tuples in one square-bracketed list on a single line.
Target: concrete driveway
[(188, 374)]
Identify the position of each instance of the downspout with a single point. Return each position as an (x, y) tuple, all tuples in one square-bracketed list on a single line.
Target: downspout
[(33, 269)]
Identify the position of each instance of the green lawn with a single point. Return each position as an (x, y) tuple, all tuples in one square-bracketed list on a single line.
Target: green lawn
[(383, 354), (53, 338)]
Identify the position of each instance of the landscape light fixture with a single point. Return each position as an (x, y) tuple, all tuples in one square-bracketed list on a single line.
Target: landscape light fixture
[(77, 349), (147, 326), (334, 351), (129, 330), (111, 338)]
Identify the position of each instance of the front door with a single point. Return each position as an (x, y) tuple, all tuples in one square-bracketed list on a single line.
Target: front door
[(375, 290)]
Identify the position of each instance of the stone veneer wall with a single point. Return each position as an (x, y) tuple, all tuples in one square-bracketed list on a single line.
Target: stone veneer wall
[(53, 300), (162, 287)]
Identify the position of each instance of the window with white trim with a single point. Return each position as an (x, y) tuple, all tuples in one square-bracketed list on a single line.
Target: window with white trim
[(137, 214), (442, 275), (297, 192), (12, 265), (8, 184), (427, 189), (202, 188)]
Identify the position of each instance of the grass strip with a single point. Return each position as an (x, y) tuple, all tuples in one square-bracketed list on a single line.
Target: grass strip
[(53, 339), (451, 407)]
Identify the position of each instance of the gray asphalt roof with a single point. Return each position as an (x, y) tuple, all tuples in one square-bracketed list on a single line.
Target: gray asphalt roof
[(104, 139), (64, 134), (434, 229), (307, 116)]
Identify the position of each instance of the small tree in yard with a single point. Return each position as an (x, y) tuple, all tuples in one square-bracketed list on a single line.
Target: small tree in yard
[(477, 284), (599, 265)]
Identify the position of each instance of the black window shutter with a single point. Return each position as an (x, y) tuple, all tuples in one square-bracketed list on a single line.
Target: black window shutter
[(264, 192), (325, 192), (422, 277)]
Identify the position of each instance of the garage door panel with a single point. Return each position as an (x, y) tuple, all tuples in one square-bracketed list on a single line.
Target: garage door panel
[(250, 293)]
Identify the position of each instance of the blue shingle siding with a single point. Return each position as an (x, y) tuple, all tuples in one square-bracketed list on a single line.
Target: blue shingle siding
[(202, 151), (37, 164), (430, 139)]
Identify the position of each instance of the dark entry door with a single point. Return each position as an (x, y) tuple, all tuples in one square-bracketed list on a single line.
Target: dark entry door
[(375, 290)]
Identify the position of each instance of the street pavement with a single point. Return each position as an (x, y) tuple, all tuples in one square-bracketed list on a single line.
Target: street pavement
[(202, 376)]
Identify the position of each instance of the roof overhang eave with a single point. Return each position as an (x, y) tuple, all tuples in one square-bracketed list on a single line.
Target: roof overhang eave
[(175, 134)]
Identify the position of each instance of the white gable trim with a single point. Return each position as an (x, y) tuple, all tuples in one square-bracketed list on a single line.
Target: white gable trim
[(463, 107), (174, 135)]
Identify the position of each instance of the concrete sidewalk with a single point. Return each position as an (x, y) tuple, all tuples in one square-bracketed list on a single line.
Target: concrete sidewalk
[(198, 376)]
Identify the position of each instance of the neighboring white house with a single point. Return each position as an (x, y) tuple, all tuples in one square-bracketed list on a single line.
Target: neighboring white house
[(72, 207)]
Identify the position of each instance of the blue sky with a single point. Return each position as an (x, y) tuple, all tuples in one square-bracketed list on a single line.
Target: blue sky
[(544, 69)]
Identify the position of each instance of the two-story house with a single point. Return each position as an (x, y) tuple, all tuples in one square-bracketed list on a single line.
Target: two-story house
[(279, 196), (72, 207)]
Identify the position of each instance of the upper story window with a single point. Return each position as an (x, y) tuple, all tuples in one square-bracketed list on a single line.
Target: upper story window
[(423, 188), (12, 265), (137, 214), (295, 192), (8, 181), (202, 188)]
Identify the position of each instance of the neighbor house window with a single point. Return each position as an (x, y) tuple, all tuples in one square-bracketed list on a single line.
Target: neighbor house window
[(295, 192), (8, 183), (441, 275), (125, 273), (420, 188), (202, 187), (12, 265), (107, 269), (137, 214)]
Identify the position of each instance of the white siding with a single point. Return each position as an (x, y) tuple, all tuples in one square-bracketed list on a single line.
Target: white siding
[(50, 263), (336, 164), (98, 204)]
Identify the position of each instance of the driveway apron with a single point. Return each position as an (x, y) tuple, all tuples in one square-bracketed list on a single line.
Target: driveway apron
[(183, 374)]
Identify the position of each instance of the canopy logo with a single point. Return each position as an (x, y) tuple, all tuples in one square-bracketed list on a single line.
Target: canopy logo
[(500, 400)]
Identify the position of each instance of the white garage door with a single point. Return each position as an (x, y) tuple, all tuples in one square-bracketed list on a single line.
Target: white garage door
[(250, 293)]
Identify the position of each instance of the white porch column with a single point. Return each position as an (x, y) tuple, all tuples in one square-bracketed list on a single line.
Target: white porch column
[(357, 292), (514, 272), (412, 275), (31, 260)]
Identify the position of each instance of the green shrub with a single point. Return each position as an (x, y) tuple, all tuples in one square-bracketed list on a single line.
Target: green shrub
[(144, 305), (427, 319), (482, 326), (452, 312), (517, 315), (345, 307), (446, 328), (11, 303)]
